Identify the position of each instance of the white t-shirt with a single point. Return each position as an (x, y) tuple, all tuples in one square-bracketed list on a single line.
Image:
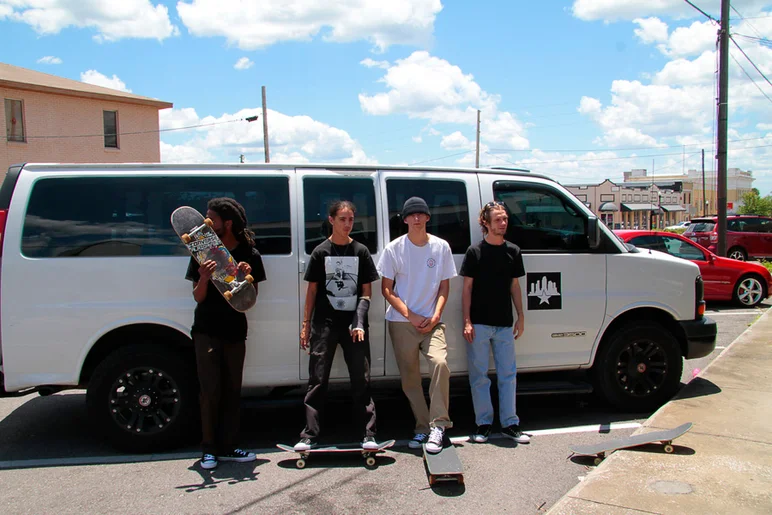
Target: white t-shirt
[(417, 273)]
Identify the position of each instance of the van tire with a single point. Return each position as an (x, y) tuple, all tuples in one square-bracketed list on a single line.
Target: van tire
[(737, 253), (144, 398), (639, 367)]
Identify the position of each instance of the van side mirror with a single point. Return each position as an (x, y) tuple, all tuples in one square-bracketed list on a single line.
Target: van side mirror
[(593, 232)]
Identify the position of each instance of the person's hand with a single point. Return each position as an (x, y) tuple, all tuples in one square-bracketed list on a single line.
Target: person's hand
[(468, 332), (206, 269), (305, 335), (519, 327), (245, 268), (357, 335), (415, 319), (429, 324)]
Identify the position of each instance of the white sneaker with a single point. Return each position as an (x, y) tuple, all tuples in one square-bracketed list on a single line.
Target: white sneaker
[(418, 440), (369, 444), (434, 444), (305, 444)]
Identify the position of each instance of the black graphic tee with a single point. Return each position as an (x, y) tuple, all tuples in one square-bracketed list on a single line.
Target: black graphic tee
[(340, 271), (214, 316), (492, 267)]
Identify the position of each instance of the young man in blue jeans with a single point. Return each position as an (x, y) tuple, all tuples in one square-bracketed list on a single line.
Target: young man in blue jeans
[(491, 270)]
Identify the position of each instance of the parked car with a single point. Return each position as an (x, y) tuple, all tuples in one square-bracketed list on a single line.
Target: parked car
[(93, 293), (746, 283), (746, 235), (679, 225)]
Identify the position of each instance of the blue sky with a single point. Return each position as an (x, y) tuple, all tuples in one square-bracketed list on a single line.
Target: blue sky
[(580, 90)]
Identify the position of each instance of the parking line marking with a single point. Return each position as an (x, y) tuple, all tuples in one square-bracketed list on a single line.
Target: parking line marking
[(731, 313)]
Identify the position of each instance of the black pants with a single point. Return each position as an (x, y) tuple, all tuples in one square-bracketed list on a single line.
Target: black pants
[(220, 365), (325, 338)]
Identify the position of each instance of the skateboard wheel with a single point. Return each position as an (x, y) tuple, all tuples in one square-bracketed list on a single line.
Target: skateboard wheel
[(228, 295), (300, 464), (186, 239), (370, 461), (669, 448), (208, 221), (249, 278)]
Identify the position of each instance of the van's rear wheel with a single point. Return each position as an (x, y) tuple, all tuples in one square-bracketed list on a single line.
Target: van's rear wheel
[(737, 253), (144, 398), (639, 368)]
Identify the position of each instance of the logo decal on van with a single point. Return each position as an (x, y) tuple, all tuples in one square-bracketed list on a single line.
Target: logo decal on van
[(544, 291)]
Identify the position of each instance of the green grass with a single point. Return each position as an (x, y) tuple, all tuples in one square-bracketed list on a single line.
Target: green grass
[(767, 264)]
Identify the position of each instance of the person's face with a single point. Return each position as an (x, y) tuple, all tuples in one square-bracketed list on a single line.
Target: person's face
[(342, 222), (498, 224), (417, 220), (219, 226)]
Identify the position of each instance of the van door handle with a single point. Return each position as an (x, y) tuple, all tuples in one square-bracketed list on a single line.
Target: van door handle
[(301, 266)]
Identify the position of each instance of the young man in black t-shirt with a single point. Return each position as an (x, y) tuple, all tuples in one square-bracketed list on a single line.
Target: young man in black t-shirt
[(491, 270), (219, 336), (339, 275)]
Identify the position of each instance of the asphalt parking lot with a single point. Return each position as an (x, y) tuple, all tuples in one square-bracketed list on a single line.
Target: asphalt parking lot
[(51, 461)]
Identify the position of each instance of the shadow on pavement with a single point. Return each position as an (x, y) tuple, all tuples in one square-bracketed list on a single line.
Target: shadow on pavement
[(225, 473), (697, 387)]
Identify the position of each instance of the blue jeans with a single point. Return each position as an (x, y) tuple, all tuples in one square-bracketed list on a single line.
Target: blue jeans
[(502, 341)]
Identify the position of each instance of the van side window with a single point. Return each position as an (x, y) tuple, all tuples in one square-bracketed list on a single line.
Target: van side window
[(448, 205), (319, 192), (540, 219), (130, 216)]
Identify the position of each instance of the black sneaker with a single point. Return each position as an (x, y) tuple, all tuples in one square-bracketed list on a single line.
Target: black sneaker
[(418, 440), (238, 455), (515, 434), (305, 444), (208, 461), (482, 433)]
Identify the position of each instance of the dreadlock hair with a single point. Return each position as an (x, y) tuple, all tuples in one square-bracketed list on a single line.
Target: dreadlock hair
[(337, 205), (229, 209), (485, 214)]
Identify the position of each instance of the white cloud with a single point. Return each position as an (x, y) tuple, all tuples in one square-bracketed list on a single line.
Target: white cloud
[(764, 126), (417, 139), (243, 64), (49, 59), (692, 40), (186, 153), (651, 30), (252, 25), (613, 10), (683, 71), (456, 141), (296, 139), (97, 79), (370, 63), (433, 132), (112, 20)]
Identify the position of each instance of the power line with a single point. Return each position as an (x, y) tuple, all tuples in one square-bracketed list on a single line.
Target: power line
[(750, 61), (762, 41), (744, 19), (703, 12), (441, 158), (622, 149), (749, 77)]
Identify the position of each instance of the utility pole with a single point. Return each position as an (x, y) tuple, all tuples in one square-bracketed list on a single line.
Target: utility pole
[(477, 157), (704, 204), (723, 115), (265, 129)]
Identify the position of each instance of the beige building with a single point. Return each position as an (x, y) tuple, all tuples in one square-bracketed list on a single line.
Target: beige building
[(52, 119)]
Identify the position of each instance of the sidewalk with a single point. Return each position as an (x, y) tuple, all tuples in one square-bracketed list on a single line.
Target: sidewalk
[(723, 465)]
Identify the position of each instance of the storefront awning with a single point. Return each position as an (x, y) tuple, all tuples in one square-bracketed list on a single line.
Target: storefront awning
[(608, 206), (640, 207), (672, 208)]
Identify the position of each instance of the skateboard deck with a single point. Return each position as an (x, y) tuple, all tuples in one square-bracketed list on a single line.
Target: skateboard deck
[(599, 450), (203, 244), (367, 454), (444, 465)]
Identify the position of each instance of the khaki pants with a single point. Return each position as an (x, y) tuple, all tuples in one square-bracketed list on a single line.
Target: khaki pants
[(407, 342)]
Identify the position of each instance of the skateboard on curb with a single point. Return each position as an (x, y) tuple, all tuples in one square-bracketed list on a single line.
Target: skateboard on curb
[(599, 450), (444, 465), (202, 242), (368, 454)]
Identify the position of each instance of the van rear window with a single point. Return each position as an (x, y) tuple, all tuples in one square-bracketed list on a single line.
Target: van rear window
[(130, 216), (700, 227)]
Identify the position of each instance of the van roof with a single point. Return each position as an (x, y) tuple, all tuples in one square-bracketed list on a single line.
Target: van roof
[(163, 167)]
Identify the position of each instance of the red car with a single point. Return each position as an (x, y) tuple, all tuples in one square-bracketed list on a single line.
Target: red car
[(746, 235), (744, 282)]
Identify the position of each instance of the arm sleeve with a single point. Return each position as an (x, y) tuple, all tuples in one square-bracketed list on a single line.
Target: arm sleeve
[(449, 266), (360, 315), (367, 270), (469, 265), (315, 271), (518, 269), (386, 264), (258, 270), (192, 272)]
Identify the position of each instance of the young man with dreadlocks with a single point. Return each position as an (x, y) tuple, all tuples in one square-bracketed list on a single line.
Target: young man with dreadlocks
[(491, 270), (219, 336), (339, 275)]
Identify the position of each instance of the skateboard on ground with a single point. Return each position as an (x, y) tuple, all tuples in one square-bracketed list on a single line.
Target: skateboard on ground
[(203, 243), (368, 454), (444, 465), (599, 450)]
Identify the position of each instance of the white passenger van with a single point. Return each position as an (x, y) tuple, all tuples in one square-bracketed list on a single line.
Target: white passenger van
[(92, 288)]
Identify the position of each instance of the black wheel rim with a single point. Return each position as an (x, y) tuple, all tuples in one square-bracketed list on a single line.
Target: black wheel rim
[(144, 400), (641, 368)]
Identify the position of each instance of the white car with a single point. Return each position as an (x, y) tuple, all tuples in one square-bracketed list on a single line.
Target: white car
[(93, 292), (680, 225)]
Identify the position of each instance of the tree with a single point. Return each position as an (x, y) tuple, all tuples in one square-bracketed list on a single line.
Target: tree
[(755, 204)]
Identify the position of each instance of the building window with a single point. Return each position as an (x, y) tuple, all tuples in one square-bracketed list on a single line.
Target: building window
[(637, 198), (14, 120), (645, 198), (111, 128), (582, 197), (607, 198)]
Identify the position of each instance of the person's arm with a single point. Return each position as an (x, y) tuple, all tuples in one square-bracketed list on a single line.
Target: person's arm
[(357, 329), (305, 325), (442, 298), (466, 307), (517, 298), (387, 288), (205, 272)]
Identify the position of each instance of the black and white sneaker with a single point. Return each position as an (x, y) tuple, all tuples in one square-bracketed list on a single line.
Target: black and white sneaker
[(418, 440), (482, 433), (305, 444), (238, 455), (208, 461), (515, 434), (434, 443)]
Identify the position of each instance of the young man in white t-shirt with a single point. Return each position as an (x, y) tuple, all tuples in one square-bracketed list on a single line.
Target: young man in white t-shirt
[(416, 270)]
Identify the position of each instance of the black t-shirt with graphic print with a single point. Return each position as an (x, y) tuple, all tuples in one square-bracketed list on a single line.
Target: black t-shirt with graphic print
[(214, 316), (339, 271), (492, 267)]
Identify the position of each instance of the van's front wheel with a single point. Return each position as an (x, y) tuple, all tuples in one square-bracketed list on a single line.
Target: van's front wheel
[(144, 398), (639, 368)]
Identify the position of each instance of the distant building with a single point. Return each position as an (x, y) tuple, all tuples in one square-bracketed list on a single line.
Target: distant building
[(53, 119)]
